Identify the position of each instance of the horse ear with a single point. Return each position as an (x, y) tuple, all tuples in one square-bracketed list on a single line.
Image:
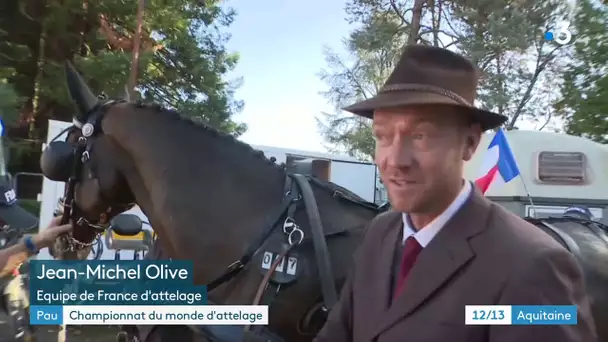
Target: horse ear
[(80, 93)]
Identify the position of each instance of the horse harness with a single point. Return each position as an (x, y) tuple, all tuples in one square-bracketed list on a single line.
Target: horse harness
[(77, 158), (298, 189)]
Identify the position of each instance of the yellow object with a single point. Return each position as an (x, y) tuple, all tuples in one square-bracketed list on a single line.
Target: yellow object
[(139, 236), (15, 291)]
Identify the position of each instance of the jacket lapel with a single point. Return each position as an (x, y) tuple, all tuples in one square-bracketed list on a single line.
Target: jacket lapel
[(447, 253), (382, 275)]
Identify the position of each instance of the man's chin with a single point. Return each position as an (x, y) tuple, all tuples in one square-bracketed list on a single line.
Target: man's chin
[(405, 206)]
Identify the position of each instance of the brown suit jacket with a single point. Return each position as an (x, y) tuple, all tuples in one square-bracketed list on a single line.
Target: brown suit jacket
[(484, 255)]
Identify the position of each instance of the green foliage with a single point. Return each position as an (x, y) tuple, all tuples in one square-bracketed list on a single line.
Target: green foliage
[(585, 89), (10, 102), (503, 37), (520, 70), (182, 65), (374, 48)]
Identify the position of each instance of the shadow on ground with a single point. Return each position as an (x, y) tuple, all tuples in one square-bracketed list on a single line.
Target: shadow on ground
[(89, 333)]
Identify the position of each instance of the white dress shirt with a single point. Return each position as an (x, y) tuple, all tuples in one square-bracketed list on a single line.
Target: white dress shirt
[(426, 234)]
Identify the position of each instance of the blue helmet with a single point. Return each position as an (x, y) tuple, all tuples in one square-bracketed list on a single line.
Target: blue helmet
[(579, 211)]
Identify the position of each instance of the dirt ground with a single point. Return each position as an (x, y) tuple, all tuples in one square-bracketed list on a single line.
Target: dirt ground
[(79, 334), (75, 333)]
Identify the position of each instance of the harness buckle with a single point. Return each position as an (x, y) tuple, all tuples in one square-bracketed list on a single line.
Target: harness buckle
[(290, 237), (236, 265), (86, 156), (289, 225)]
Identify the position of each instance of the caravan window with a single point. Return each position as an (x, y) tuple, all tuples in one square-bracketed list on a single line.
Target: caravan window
[(561, 167)]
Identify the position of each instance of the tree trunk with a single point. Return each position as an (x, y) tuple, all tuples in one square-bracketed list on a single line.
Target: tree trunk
[(37, 80), (136, 46), (416, 18)]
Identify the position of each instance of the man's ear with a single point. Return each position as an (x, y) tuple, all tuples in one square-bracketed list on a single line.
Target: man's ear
[(472, 139)]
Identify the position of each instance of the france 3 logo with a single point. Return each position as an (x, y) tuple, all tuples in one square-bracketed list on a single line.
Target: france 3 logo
[(560, 34)]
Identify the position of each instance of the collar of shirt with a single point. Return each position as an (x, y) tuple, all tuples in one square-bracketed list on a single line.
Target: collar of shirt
[(427, 233)]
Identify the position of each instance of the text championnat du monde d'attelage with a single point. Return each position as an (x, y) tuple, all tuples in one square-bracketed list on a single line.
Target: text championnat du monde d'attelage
[(115, 272)]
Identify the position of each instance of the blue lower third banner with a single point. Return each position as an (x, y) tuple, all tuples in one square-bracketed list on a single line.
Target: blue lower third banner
[(521, 315), (149, 315)]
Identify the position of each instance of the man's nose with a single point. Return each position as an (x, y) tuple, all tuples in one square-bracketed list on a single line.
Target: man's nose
[(401, 154)]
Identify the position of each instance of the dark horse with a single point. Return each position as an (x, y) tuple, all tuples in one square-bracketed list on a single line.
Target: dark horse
[(210, 197)]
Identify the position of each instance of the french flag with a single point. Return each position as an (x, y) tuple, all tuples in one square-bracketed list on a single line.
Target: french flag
[(498, 165)]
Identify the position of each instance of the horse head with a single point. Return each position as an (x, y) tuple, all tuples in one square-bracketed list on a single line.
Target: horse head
[(96, 190)]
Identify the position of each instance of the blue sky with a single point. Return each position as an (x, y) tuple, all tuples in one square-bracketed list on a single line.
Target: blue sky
[(280, 43)]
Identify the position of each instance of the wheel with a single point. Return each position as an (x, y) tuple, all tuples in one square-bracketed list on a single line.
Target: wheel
[(19, 322), (17, 308), (30, 329)]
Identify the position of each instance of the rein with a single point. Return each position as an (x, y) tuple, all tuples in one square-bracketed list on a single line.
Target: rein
[(291, 198), (82, 156)]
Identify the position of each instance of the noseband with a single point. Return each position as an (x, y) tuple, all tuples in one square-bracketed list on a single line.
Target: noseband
[(82, 153)]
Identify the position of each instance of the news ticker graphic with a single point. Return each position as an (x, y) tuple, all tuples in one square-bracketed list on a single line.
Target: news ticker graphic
[(521, 315), (127, 292), (114, 282), (149, 315)]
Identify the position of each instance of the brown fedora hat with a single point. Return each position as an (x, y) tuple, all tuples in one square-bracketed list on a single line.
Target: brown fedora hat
[(430, 75)]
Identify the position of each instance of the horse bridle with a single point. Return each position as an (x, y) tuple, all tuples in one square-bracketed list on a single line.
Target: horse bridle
[(82, 152)]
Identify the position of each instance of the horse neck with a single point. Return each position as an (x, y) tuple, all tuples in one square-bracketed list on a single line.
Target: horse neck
[(205, 194)]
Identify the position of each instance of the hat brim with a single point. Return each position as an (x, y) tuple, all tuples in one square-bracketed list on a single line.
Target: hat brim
[(487, 120), (17, 217)]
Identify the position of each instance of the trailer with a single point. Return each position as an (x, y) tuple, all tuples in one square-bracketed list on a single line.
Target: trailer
[(556, 170), (353, 174), (357, 176)]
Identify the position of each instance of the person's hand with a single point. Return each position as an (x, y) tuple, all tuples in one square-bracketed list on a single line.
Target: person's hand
[(48, 236)]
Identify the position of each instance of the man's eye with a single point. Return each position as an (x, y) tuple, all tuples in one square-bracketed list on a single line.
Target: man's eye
[(419, 136)]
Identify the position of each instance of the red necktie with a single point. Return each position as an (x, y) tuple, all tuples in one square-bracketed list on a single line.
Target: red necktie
[(410, 252)]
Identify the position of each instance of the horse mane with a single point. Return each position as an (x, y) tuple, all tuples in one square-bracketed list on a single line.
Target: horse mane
[(203, 127), (334, 189)]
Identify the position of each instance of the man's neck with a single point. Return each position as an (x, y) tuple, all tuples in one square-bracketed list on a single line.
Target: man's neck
[(421, 220)]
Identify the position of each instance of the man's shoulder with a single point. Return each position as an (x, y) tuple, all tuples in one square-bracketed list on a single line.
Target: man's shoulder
[(380, 225), (385, 220)]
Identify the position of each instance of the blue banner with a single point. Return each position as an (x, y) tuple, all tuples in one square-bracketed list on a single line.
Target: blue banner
[(114, 282), (544, 315)]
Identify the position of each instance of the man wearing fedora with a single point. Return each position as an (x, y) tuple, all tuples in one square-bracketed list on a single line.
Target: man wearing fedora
[(443, 245)]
